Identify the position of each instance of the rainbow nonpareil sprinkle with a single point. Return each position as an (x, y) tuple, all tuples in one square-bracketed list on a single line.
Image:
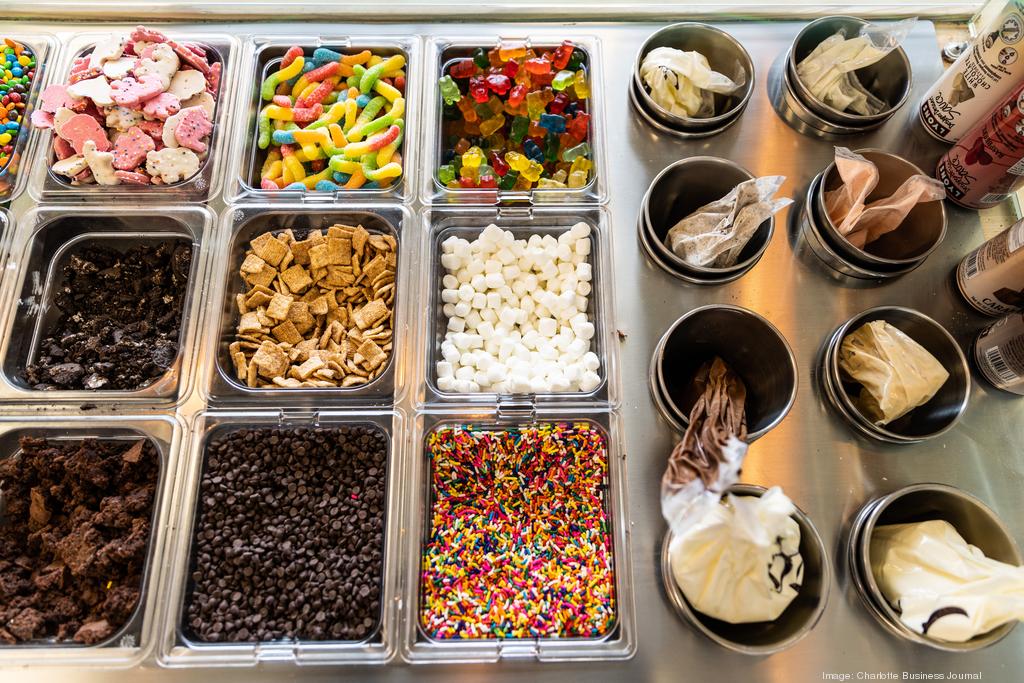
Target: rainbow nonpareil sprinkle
[(519, 545)]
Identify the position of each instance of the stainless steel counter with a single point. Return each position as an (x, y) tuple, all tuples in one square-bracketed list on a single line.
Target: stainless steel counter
[(823, 466)]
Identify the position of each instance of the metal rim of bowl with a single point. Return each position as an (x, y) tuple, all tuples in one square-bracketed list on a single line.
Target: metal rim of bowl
[(867, 586), (832, 374), (804, 114), (701, 274), (656, 259), (818, 241), (683, 134), (872, 259), (854, 122), (686, 612), (656, 396), (658, 377), (688, 122)]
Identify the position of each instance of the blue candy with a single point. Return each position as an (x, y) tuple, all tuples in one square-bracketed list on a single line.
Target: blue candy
[(362, 101), (326, 186), (283, 137), (553, 123), (322, 56), (341, 177), (295, 186), (533, 151)]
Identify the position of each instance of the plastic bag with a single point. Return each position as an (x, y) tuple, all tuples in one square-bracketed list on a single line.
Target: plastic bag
[(684, 83), (895, 372), (741, 561), (944, 587), (862, 223), (828, 70), (715, 234)]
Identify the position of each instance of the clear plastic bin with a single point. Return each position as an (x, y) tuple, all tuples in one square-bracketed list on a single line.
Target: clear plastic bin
[(240, 225), (441, 52), (48, 186), (7, 228), (264, 53), (619, 642), (467, 223), (176, 650), (136, 640), (15, 173), (46, 237)]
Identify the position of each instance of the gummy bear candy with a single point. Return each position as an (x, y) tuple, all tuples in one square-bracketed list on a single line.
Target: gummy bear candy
[(449, 90)]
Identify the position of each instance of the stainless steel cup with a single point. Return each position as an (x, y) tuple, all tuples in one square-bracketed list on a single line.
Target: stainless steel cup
[(974, 520), (763, 638), (679, 190), (724, 54), (909, 245), (749, 344), (889, 79), (928, 421), (827, 247)]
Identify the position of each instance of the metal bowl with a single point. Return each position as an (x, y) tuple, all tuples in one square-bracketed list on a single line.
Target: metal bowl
[(763, 638), (909, 245), (828, 249), (724, 54), (680, 189), (934, 418), (889, 79), (748, 343), (974, 520)]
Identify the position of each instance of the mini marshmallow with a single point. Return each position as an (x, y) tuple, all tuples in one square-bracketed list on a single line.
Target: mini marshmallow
[(448, 310), (462, 309), (479, 300), (479, 282), (450, 282), (456, 324), (466, 293), (449, 295), (444, 369)]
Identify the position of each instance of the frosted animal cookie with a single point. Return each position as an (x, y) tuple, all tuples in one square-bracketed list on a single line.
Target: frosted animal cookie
[(96, 89), (101, 164), (160, 107), (62, 148), (118, 68), (192, 128), (171, 124), (54, 97), (204, 100), (172, 165), (123, 118), (82, 127), (62, 116), (106, 50), (131, 149), (130, 91), (132, 178), (187, 83), (71, 166), (163, 63)]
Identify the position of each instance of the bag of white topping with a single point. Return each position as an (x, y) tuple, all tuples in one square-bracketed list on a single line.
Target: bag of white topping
[(895, 372), (684, 83), (740, 562), (944, 587), (828, 71)]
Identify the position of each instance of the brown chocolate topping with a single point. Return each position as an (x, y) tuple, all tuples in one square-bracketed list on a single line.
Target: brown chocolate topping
[(718, 413)]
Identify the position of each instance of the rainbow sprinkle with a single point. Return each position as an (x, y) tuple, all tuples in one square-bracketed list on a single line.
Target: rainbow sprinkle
[(519, 544)]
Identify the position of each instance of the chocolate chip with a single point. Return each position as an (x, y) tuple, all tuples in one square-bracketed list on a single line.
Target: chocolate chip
[(268, 557), (120, 318), (74, 538)]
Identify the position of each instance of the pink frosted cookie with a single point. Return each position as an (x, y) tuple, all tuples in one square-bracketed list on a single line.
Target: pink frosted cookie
[(192, 129), (160, 107), (82, 127), (131, 148)]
